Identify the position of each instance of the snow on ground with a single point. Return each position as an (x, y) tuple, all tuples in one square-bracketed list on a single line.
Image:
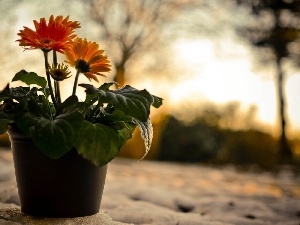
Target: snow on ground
[(179, 194)]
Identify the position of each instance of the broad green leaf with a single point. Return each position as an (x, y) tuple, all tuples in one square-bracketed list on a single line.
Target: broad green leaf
[(30, 78), (115, 116), (36, 109), (14, 93), (23, 92), (53, 137), (90, 89), (132, 102), (69, 105), (98, 143), (146, 133)]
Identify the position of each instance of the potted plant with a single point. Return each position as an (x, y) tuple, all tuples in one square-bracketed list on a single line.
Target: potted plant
[(61, 147)]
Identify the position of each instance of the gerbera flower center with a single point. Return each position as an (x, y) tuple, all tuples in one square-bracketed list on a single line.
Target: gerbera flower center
[(60, 73), (46, 41), (82, 66)]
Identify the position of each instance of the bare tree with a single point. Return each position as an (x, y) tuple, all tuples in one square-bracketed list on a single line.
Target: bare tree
[(133, 27), (276, 28)]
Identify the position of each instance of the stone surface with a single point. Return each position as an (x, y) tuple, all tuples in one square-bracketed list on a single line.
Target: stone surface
[(151, 193)]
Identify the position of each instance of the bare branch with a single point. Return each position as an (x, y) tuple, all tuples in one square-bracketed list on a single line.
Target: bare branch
[(134, 26)]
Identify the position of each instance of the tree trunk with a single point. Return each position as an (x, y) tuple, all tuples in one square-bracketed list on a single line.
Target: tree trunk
[(285, 152), (120, 76)]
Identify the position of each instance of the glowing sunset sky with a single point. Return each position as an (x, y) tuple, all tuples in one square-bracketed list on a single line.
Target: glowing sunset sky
[(232, 78)]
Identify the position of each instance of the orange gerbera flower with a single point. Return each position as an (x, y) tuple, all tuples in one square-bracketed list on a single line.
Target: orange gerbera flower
[(56, 35), (87, 58)]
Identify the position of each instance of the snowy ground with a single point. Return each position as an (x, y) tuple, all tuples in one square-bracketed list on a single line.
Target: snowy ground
[(166, 193)]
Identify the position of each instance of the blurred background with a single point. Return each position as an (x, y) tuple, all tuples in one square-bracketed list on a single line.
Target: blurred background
[(228, 71)]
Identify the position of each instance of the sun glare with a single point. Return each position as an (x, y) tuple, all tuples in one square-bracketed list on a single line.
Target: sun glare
[(227, 76)]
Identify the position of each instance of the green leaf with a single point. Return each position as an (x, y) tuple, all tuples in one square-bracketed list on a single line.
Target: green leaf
[(115, 116), (127, 130), (157, 101), (69, 105), (146, 133), (91, 93), (89, 89), (22, 92), (30, 78), (15, 93), (53, 137), (98, 143), (132, 102), (106, 86), (36, 108), (5, 93), (4, 120)]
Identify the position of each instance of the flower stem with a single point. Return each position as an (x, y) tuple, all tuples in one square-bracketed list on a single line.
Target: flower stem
[(49, 79), (75, 82), (54, 59), (57, 91), (56, 83)]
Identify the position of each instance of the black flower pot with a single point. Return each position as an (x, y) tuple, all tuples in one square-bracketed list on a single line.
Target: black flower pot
[(67, 187)]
